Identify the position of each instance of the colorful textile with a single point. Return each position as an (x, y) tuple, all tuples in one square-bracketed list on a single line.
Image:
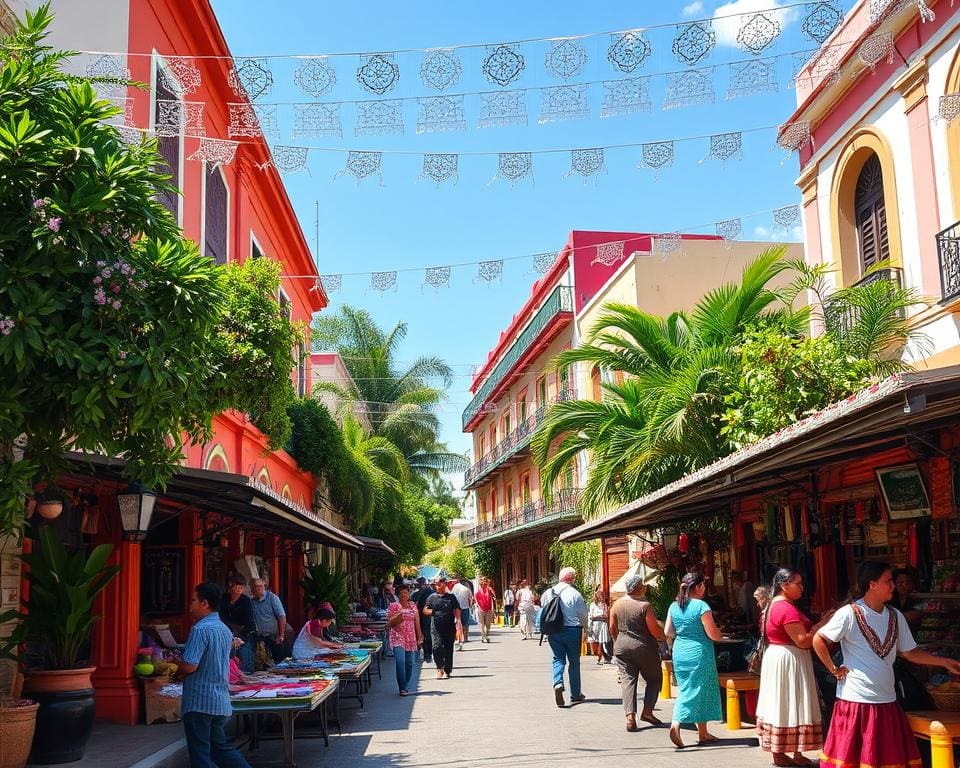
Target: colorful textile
[(404, 635), (788, 708), (694, 666), (869, 736)]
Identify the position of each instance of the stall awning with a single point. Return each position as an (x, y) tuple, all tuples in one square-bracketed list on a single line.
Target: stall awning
[(880, 417), (374, 547), (234, 496)]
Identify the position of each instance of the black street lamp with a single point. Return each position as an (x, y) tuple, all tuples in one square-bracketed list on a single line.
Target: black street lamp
[(136, 509)]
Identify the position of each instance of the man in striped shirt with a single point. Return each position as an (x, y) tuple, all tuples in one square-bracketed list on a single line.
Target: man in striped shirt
[(205, 670)]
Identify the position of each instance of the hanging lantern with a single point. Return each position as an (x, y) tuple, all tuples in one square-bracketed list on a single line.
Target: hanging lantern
[(683, 543)]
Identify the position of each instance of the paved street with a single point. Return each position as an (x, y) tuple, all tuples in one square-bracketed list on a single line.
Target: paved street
[(498, 709)]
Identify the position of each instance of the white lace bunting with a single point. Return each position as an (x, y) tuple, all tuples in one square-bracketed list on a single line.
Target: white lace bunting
[(315, 76), (786, 218), (725, 146), (331, 283), (361, 165), (437, 277), (586, 163), (440, 69), (317, 120), (252, 120), (379, 118), (215, 151), (949, 107), (502, 108), (685, 89), (657, 156), (251, 78), (667, 244), (179, 118), (378, 73), (749, 78), (628, 51), (441, 114), (693, 42), (562, 103), (566, 58), (625, 97), (383, 281), (489, 271), (821, 20), (730, 230), (181, 74), (109, 74), (876, 49), (503, 64), (758, 32), (513, 166), (609, 254), (441, 168), (793, 136), (288, 159), (543, 261)]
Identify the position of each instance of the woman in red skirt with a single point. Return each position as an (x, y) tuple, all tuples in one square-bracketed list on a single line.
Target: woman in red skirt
[(868, 727)]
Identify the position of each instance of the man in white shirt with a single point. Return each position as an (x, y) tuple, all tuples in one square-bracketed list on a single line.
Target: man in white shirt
[(509, 597), (566, 643), (464, 596)]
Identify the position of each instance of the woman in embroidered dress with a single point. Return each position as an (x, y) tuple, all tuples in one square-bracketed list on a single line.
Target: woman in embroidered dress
[(598, 630), (788, 710), (690, 623), (868, 726), (403, 618)]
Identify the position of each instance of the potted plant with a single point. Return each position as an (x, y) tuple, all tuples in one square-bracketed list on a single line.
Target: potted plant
[(49, 502), (18, 717), (57, 623)]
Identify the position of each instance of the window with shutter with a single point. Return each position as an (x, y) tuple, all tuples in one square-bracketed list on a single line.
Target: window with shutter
[(871, 215), (168, 147), (215, 216)]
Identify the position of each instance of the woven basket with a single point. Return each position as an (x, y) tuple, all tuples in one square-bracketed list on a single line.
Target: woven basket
[(944, 700), (16, 734)]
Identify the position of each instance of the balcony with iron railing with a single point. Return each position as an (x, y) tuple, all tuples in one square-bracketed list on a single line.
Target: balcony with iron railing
[(948, 253), (513, 446), (846, 316), (558, 305), (562, 509)]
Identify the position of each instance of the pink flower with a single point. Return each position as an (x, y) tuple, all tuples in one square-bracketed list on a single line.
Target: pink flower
[(101, 264), (100, 297), (116, 304), (97, 280), (122, 355), (53, 223), (106, 272), (6, 325), (39, 203), (115, 288)]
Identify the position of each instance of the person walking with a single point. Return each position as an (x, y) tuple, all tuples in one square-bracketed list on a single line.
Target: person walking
[(420, 597), (635, 632), (566, 643), (205, 669), (691, 626), (485, 598), (464, 596), (509, 599), (236, 611), (403, 620), (527, 608), (598, 627), (788, 709), (444, 612), (868, 726), (269, 618)]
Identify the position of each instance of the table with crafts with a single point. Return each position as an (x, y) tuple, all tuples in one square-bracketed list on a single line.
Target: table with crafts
[(349, 666)]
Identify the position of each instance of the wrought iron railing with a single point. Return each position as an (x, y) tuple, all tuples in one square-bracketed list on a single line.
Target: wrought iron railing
[(845, 316), (948, 253), (560, 300), (533, 514), (512, 444)]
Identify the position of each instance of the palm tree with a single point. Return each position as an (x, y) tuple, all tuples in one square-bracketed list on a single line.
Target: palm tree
[(381, 472), (398, 402), (663, 420)]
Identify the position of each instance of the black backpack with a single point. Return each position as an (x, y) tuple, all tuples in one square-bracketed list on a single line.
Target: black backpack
[(551, 617)]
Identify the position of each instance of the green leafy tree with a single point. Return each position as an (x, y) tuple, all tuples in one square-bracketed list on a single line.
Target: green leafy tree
[(486, 559), (116, 335), (459, 561), (322, 583), (584, 556)]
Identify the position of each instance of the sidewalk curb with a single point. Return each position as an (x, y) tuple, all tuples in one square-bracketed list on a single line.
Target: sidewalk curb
[(171, 756)]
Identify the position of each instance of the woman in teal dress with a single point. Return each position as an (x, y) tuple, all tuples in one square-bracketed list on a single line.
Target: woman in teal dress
[(690, 624)]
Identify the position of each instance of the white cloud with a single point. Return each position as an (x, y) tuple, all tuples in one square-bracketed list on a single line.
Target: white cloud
[(728, 18), (761, 233), (794, 235), (693, 9)]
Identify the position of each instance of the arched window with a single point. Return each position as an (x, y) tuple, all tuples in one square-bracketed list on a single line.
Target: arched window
[(871, 215)]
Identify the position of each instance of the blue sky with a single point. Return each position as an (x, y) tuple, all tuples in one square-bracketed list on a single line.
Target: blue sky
[(406, 223)]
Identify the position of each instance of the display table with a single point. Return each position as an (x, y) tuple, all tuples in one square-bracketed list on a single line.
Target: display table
[(354, 676), (942, 729), (374, 648), (288, 710)]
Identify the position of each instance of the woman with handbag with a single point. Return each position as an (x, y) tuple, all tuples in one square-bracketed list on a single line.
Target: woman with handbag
[(788, 710)]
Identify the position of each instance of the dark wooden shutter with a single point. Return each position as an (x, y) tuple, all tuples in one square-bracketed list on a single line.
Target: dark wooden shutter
[(168, 147), (871, 215), (215, 217)]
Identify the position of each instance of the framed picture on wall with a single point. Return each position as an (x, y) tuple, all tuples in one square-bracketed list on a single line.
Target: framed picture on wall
[(903, 491)]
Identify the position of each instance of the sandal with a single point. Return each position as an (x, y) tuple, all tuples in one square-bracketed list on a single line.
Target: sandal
[(651, 719), (439, 674), (801, 760), (631, 722), (675, 738), (708, 740)]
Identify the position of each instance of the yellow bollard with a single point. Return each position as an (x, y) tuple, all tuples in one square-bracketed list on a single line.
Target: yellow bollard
[(733, 707), (941, 746), (665, 691), (583, 646)]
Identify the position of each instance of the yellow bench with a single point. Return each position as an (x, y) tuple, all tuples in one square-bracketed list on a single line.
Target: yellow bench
[(735, 683)]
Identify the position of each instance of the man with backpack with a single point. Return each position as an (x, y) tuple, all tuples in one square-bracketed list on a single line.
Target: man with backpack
[(564, 621)]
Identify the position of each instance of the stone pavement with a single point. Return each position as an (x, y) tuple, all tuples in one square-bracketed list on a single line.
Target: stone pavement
[(498, 710)]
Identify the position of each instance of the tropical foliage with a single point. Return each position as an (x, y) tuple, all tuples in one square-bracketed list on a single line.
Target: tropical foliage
[(486, 558), (322, 582), (584, 557), (696, 385), (116, 335)]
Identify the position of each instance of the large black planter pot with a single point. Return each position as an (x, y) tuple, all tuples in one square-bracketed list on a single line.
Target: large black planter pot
[(65, 717)]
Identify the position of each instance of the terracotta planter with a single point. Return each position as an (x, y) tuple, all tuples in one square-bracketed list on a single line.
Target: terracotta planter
[(17, 725), (66, 714), (49, 510)]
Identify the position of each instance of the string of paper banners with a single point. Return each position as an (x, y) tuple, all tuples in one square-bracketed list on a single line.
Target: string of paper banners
[(504, 64), (784, 221)]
